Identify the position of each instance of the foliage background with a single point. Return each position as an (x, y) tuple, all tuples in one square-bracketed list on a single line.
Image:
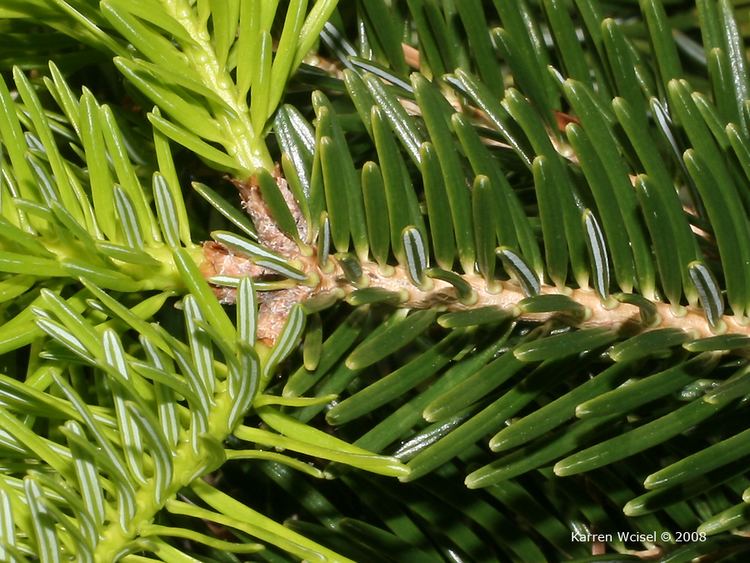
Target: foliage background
[(535, 217)]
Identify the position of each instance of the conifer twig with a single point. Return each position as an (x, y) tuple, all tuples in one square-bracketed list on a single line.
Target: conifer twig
[(505, 295)]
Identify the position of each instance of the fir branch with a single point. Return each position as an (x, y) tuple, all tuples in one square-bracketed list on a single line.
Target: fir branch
[(399, 288)]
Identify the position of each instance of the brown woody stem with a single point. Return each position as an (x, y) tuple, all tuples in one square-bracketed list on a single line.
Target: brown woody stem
[(505, 295)]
